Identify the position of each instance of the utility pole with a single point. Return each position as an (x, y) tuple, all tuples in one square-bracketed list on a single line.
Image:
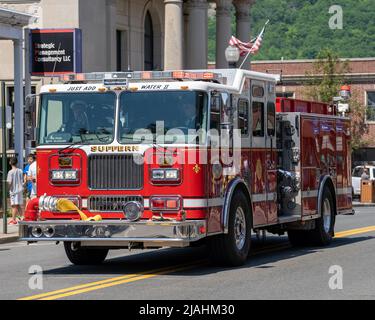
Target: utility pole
[(27, 77), (4, 159)]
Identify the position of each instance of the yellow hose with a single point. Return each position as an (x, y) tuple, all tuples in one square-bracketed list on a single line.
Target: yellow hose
[(65, 205)]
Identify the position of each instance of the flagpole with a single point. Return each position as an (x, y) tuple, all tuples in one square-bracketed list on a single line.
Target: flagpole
[(244, 60)]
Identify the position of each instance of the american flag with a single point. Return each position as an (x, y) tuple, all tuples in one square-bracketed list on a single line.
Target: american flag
[(251, 47)]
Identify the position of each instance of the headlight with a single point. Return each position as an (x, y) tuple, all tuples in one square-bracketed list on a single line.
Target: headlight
[(165, 175), (171, 174), (133, 210), (158, 174), (64, 175), (71, 175), (57, 175)]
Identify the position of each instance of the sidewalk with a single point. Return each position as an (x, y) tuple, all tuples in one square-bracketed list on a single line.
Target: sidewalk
[(12, 234), (360, 204)]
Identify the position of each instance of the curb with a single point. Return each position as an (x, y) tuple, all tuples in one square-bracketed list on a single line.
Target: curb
[(364, 205), (8, 239)]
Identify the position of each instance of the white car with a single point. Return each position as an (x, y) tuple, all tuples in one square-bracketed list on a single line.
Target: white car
[(356, 178)]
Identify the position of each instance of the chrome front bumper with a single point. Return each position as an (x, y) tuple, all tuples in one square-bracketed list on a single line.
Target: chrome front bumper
[(115, 232)]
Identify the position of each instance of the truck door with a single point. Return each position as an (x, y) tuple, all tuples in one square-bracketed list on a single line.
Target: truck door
[(258, 153)]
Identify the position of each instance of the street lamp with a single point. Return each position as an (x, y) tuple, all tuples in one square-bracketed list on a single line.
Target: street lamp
[(342, 101), (232, 55)]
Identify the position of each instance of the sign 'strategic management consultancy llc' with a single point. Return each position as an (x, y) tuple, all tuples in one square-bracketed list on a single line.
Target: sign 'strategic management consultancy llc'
[(55, 51)]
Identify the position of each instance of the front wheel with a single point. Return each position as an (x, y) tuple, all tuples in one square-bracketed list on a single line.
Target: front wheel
[(83, 256), (232, 249)]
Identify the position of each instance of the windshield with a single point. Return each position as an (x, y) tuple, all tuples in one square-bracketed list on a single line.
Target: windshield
[(67, 118), (174, 114)]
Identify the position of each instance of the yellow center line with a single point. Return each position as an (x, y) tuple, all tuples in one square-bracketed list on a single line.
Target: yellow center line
[(128, 278), (116, 283), (115, 279), (354, 231)]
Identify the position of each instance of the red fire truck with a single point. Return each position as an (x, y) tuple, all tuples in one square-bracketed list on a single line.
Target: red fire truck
[(287, 167)]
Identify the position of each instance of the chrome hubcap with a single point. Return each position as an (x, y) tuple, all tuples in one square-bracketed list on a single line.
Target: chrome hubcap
[(327, 215), (240, 228)]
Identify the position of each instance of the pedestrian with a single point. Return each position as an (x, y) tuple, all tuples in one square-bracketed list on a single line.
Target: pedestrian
[(31, 175), (28, 184), (15, 182), (365, 175)]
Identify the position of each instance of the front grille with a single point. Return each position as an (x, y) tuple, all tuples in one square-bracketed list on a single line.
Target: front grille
[(115, 172), (110, 203)]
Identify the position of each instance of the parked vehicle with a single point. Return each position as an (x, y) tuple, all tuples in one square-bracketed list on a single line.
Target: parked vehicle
[(357, 175)]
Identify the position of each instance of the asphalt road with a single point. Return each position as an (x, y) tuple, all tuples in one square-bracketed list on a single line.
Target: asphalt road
[(273, 271)]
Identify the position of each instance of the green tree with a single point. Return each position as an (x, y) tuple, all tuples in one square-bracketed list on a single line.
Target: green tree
[(299, 29), (325, 80)]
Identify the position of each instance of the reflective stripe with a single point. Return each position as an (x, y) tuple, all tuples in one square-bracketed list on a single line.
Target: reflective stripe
[(261, 197), (216, 202), (314, 193), (344, 191), (310, 194), (196, 203)]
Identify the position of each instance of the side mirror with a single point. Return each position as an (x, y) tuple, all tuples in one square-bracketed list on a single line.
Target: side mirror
[(30, 103)]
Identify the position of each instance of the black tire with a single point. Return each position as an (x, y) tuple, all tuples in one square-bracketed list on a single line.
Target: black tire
[(318, 236), (222, 248), (83, 256)]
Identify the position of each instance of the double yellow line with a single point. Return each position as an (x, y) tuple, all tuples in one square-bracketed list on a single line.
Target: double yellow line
[(102, 284), (352, 232), (128, 278)]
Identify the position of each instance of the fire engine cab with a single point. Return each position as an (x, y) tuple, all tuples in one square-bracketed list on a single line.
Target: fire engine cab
[(118, 167)]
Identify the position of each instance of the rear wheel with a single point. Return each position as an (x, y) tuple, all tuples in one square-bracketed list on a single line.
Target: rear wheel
[(83, 256), (323, 232), (232, 249)]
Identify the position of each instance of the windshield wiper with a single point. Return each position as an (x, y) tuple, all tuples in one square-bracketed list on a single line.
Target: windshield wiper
[(85, 141)]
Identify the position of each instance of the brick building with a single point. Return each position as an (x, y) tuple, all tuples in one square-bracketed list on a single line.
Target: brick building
[(361, 78)]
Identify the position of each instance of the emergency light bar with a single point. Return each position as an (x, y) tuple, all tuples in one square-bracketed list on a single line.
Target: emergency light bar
[(122, 78)]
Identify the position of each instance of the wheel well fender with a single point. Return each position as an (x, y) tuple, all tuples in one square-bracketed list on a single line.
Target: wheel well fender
[(234, 186), (326, 181)]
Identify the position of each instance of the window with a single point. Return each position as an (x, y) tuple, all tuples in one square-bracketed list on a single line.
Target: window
[(258, 91), (148, 43), (168, 110), (357, 172), (370, 116), (258, 119), (78, 117), (215, 113), (270, 119), (119, 50), (243, 116), (285, 94)]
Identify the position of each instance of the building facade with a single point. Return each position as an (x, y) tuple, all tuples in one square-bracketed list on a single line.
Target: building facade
[(139, 34), (120, 35)]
